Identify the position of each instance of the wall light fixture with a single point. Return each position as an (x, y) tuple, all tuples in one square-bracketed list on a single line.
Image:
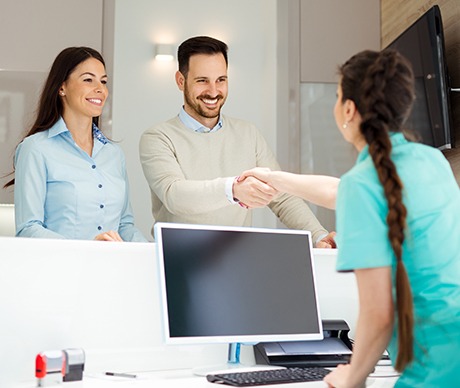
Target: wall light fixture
[(164, 52)]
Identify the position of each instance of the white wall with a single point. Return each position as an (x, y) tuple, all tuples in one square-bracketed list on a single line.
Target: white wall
[(144, 91)]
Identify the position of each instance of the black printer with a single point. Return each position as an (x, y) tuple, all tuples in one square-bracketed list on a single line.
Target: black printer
[(334, 349)]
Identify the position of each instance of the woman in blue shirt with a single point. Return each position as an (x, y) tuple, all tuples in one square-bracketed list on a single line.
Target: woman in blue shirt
[(70, 180), (398, 229)]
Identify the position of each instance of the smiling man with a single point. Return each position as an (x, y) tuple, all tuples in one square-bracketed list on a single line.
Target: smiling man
[(192, 161)]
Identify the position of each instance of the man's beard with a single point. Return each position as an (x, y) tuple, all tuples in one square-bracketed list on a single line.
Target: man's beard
[(203, 112)]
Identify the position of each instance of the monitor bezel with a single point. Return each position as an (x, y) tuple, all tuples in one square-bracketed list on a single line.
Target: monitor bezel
[(434, 74), (225, 339)]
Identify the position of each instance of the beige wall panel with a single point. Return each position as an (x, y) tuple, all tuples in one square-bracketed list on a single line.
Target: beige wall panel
[(33, 32), (333, 30)]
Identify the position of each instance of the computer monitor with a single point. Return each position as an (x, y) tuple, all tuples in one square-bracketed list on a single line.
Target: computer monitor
[(222, 284)]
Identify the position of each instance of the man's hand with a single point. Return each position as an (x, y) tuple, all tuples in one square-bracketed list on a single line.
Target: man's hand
[(327, 242), (253, 193)]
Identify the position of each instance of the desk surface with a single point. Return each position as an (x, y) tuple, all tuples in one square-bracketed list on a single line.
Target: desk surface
[(104, 298), (185, 379)]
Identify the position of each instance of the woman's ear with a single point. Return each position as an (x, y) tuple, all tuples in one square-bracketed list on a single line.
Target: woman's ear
[(62, 90), (350, 110)]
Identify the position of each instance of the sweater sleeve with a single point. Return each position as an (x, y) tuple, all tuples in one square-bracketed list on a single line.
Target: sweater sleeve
[(291, 211), (166, 179)]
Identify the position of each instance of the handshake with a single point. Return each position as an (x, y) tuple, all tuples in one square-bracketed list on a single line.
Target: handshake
[(252, 189), (259, 186)]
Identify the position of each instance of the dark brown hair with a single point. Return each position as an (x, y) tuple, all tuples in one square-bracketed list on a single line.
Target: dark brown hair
[(199, 45), (381, 84), (50, 106)]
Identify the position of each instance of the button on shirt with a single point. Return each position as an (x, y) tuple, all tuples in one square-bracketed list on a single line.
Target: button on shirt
[(62, 192), (196, 126)]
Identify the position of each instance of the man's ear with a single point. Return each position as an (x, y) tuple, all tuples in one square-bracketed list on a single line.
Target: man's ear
[(180, 80)]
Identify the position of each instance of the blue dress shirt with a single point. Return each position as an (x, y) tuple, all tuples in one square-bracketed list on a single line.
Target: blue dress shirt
[(195, 125), (62, 192)]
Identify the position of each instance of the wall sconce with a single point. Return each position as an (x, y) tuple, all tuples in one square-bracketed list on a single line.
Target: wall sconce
[(164, 52)]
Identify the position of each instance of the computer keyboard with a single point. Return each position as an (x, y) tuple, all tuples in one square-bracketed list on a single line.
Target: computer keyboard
[(269, 376)]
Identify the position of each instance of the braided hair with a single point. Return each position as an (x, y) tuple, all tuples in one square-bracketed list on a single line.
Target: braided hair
[(381, 84)]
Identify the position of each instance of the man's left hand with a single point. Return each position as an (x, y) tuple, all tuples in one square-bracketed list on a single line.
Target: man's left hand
[(327, 242)]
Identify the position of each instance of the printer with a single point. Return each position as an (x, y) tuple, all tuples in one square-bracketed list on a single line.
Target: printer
[(335, 348)]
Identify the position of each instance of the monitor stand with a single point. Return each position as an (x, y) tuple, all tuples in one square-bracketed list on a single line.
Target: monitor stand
[(233, 362)]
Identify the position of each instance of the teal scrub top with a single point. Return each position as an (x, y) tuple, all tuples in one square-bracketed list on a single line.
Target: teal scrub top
[(431, 250)]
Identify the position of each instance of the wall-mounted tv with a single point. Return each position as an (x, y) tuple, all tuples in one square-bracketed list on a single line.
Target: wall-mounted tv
[(423, 45)]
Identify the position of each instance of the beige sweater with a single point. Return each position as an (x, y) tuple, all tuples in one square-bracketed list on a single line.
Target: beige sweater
[(186, 172)]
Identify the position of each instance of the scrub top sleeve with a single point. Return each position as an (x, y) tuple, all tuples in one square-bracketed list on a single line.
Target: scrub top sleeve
[(362, 231)]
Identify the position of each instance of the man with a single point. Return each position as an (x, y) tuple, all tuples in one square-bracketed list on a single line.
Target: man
[(192, 161)]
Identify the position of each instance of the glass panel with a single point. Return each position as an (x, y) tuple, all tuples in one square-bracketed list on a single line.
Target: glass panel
[(19, 93), (322, 147)]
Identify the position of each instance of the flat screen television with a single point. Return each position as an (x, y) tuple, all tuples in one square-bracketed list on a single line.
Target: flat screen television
[(236, 285), (423, 45)]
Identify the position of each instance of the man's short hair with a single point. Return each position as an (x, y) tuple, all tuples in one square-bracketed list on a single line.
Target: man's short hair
[(199, 45)]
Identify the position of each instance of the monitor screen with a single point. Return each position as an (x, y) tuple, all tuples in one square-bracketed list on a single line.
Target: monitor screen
[(423, 45), (236, 285)]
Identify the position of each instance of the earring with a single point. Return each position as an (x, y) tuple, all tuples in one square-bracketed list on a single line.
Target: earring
[(62, 93), (345, 125)]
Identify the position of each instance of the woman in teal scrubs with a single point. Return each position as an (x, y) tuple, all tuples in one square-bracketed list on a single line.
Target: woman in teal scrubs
[(398, 229)]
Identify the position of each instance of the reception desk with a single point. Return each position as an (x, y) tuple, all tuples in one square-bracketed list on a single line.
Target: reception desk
[(104, 297)]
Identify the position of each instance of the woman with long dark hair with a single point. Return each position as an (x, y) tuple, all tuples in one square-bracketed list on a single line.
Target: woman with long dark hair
[(70, 179), (398, 228)]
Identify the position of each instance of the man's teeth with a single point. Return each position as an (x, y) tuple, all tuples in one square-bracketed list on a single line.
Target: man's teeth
[(213, 101)]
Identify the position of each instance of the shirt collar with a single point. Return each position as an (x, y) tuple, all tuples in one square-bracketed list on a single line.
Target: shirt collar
[(396, 138), (195, 125), (58, 128), (61, 127), (97, 134)]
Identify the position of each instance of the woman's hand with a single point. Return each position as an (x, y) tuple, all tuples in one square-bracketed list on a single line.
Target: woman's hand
[(111, 235), (253, 193), (318, 189), (338, 377), (261, 173)]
